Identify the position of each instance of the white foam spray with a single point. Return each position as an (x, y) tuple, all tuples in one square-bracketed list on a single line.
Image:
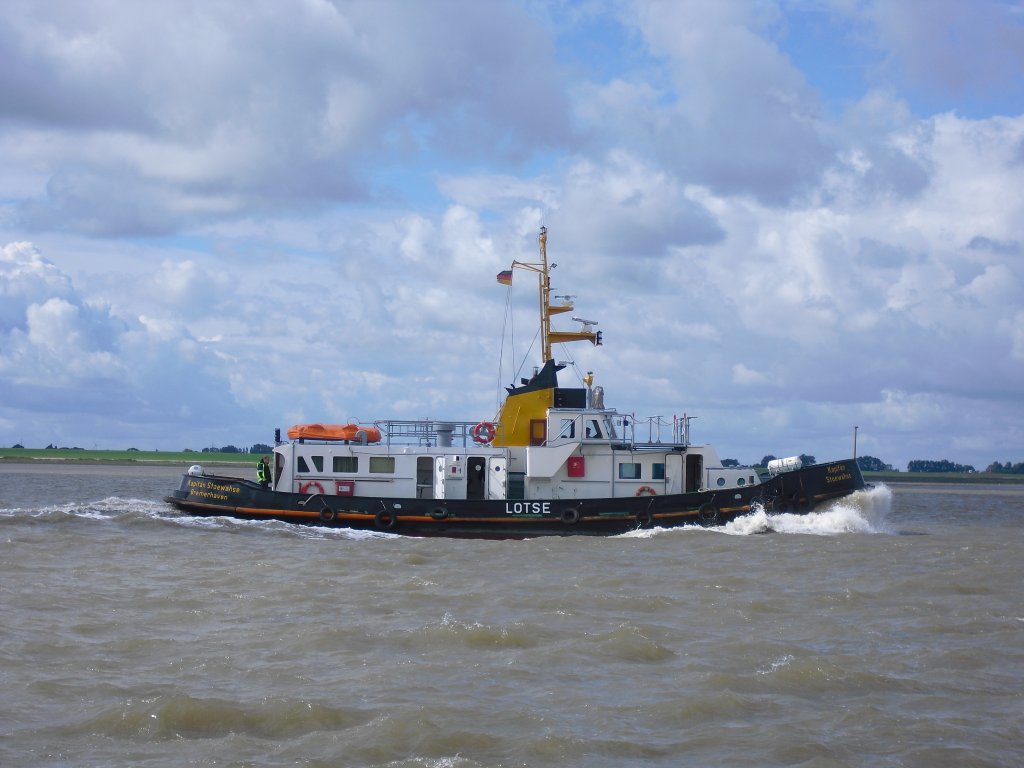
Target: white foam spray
[(865, 511)]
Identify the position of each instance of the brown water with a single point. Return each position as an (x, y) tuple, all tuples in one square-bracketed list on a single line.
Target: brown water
[(887, 631)]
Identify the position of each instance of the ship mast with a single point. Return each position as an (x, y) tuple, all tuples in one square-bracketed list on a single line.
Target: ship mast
[(547, 336)]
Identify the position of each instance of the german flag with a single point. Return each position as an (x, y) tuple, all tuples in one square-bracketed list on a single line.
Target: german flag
[(505, 277)]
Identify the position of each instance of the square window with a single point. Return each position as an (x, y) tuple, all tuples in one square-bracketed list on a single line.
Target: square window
[(383, 465), (318, 462), (346, 463), (658, 471), (302, 465), (629, 471)]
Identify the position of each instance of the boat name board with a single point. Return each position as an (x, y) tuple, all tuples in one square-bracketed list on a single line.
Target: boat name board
[(528, 508), (837, 474), (208, 489)]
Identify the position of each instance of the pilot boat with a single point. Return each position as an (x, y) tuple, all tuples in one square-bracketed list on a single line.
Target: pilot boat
[(553, 461)]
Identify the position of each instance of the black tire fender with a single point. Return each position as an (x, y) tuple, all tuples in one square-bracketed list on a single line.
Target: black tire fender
[(708, 514)]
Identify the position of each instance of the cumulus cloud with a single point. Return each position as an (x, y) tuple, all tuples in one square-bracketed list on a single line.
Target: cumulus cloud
[(740, 117), (160, 116), (49, 333), (68, 363), (26, 278), (954, 49), (741, 374)]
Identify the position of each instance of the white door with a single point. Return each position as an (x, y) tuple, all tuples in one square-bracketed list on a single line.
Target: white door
[(497, 477), (674, 473)]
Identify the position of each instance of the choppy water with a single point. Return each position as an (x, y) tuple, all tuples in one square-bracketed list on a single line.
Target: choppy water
[(887, 631)]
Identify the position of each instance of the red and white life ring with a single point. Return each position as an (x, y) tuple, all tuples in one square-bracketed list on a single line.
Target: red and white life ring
[(304, 488), (484, 432), (645, 490)]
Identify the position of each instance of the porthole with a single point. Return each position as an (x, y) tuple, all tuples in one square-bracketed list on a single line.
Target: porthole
[(721, 482)]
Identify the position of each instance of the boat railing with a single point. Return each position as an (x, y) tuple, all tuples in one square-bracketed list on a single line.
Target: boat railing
[(434, 433), (627, 429), (658, 430)]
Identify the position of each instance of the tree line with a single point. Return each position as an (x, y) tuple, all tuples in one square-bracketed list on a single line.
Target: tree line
[(1006, 469), (256, 448), (871, 464)]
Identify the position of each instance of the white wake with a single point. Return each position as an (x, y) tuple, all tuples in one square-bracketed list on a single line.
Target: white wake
[(865, 511)]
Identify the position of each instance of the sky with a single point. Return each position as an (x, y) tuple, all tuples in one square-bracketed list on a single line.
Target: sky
[(790, 218)]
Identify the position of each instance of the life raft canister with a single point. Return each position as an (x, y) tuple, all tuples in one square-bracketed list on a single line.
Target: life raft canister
[(484, 432), (349, 432)]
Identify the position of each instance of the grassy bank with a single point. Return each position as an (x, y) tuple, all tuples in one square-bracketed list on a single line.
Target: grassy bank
[(121, 457)]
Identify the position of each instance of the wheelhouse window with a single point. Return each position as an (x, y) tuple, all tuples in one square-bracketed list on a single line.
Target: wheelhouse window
[(382, 465), (594, 429), (302, 466), (568, 428), (629, 471), (346, 463)]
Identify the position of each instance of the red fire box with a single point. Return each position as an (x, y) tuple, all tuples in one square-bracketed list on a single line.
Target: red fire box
[(577, 466)]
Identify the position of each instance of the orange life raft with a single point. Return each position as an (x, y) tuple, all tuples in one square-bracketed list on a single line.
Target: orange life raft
[(353, 432)]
